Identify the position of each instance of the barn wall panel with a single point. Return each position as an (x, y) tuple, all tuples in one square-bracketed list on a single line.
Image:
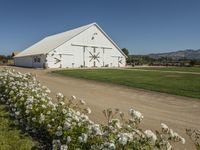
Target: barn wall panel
[(28, 61), (24, 61), (91, 37), (94, 37)]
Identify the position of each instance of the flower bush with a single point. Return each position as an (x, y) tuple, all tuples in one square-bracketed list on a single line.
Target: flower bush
[(66, 125), (194, 137)]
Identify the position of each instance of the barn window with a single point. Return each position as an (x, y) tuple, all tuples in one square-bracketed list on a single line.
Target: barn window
[(38, 59), (35, 59)]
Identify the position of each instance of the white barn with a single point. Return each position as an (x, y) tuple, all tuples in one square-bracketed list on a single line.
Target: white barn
[(86, 46)]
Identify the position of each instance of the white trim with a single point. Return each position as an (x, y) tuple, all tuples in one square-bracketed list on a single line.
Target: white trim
[(82, 45), (110, 39)]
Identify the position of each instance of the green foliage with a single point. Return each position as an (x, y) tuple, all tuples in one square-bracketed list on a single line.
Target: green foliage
[(167, 82), (125, 50), (139, 59), (10, 137), (162, 61)]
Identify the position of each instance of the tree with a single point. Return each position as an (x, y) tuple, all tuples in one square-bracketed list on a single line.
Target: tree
[(125, 50), (193, 62)]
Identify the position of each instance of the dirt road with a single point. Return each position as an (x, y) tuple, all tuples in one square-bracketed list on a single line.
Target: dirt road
[(176, 111)]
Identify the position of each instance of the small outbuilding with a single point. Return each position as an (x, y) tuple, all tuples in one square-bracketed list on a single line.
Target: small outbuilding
[(86, 46)]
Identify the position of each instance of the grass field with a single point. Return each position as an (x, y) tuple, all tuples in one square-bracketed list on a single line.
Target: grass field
[(10, 137), (181, 69), (167, 82)]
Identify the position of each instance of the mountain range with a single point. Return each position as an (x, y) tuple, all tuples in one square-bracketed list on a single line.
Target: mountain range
[(181, 54)]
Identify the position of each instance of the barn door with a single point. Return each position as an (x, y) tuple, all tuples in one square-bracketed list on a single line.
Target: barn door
[(117, 61), (61, 60), (93, 57), (67, 61), (56, 60)]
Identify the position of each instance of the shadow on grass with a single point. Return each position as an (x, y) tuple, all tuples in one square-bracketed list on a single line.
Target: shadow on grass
[(17, 134)]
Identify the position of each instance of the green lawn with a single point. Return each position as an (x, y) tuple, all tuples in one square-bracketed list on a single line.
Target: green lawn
[(10, 137), (167, 82), (183, 69)]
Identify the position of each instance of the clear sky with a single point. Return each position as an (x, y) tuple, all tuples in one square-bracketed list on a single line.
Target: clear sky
[(142, 26)]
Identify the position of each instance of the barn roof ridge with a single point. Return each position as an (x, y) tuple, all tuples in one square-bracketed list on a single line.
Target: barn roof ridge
[(51, 42)]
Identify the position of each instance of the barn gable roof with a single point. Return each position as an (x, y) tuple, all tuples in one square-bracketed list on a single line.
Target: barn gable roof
[(49, 43)]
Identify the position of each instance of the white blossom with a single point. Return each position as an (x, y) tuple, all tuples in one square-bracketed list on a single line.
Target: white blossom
[(151, 136), (123, 139), (60, 95), (64, 147), (136, 115), (82, 102), (68, 139), (88, 110), (73, 97), (164, 127), (42, 118)]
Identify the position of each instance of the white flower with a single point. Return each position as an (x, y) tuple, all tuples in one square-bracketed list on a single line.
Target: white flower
[(177, 138), (151, 136), (44, 106), (95, 129), (123, 139), (29, 106), (182, 140), (82, 102), (62, 103), (136, 114), (49, 126), (171, 132), (73, 97), (48, 112), (168, 146), (85, 137), (59, 95), (111, 146), (80, 139), (59, 128), (68, 139), (64, 111), (17, 113), (11, 93), (50, 103), (64, 147), (42, 118), (34, 119), (59, 133), (56, 144), (164, 127), (48, 90), (29, 100), (88, 110), (27, 111), (67, 125)]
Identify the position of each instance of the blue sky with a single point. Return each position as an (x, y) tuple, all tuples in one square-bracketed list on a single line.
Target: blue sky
[(142, 26)]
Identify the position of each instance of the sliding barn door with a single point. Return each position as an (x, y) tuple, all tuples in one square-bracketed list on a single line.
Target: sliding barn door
[(93, 57)]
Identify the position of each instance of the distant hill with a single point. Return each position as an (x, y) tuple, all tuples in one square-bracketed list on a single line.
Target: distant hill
[(181, 54)]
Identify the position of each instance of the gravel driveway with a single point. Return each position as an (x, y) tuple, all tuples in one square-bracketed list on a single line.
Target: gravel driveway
[(176, 111)]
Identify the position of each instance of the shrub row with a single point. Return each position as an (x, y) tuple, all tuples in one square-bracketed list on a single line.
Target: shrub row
[(66, 125)]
